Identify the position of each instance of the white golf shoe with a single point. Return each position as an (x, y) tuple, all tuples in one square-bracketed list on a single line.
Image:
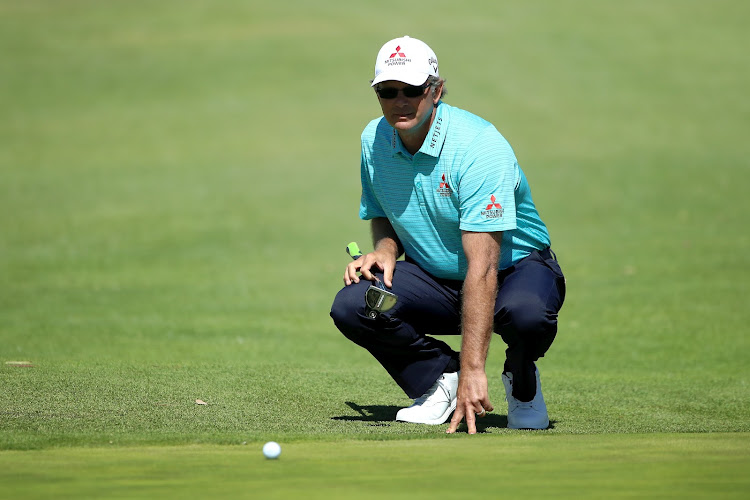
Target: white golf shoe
[(434, 406), (525, 415)]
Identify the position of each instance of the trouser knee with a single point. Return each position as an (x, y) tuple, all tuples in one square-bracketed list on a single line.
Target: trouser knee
[(528, 327), (384, 332), (345, 313)]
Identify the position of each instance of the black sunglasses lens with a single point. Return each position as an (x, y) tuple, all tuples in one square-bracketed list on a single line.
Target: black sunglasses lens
[(410, 91), (388, 93)]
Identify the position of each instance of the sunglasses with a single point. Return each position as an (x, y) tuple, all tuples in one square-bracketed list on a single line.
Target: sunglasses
[(410, 91)]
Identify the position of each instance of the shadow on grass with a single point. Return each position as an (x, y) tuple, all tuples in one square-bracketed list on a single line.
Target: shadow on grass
[(494, 421), (377, 414), (384, 415), (490, 421)]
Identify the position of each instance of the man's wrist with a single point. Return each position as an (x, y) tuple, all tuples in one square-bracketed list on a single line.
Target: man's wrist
[(388, 245), (469, 367)]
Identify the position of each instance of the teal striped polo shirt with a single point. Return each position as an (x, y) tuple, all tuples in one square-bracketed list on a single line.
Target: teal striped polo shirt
[(465, 177)]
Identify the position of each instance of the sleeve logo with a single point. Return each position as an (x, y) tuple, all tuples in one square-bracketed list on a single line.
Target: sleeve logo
[(493, 210)]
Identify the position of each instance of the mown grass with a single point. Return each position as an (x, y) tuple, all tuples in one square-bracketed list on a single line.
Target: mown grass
[(178, 182), (529, 465)]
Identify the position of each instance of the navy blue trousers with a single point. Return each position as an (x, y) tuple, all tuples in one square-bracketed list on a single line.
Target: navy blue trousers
[(530, 294)]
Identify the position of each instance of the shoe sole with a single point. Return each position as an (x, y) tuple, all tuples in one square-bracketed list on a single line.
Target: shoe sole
[(529, 428), (441, 420)]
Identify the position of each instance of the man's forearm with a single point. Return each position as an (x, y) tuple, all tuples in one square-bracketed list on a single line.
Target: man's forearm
[(477, 318), (384, 237)]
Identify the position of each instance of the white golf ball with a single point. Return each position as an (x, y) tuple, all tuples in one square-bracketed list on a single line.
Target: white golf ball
[(271, 450)]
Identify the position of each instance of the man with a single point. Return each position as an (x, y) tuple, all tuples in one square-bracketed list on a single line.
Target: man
[(442, 187)]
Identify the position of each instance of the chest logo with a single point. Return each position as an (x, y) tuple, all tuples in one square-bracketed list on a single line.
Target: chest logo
[(444, 189)]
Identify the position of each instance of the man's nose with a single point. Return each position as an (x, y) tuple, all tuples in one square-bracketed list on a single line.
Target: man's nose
[(401, 99)]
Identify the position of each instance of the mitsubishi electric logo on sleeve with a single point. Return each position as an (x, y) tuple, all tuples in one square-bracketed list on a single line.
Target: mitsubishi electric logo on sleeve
[(401, 60), (493, 210)]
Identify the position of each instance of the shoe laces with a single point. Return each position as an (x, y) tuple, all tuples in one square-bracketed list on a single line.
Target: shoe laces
[(432, 391), (528, 405), (517, 403)]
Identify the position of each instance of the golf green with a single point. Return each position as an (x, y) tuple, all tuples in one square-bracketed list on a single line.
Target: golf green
[(533, 466)]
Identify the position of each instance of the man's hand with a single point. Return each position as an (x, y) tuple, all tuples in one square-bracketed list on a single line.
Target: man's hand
[(473, 400), (382, 260)]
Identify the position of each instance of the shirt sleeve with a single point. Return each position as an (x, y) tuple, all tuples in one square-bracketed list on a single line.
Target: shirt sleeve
[(369, 207), (486, 191)]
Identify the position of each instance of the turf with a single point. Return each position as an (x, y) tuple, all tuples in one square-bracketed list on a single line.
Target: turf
[(178, 181), (614, 466)]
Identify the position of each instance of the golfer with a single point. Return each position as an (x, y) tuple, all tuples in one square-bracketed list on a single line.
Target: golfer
[(442, 188)]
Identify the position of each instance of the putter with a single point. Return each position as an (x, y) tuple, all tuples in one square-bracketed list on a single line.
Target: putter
[(378, 298)]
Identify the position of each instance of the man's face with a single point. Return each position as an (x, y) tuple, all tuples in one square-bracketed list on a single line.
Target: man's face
[(407, 114)]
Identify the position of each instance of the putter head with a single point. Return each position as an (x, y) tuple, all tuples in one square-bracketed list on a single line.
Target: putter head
[(378, 299)]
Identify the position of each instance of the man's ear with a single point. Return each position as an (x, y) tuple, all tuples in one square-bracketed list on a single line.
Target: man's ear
[(436, 94)]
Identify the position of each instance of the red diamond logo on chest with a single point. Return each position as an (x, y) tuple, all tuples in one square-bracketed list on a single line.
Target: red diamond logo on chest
[(444, 189)]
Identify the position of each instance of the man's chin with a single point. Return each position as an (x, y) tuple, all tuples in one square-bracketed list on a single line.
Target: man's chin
[(403, 123)]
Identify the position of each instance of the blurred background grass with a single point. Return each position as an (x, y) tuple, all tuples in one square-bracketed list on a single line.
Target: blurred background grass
[(179, 180)]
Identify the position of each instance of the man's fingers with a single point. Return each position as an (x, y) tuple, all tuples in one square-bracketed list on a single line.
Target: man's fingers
[(486, 408), (457, 417), (471, 422), (350, 274), (348, 279), (471, 416), (388, 276), (367, 264), (370, 264)]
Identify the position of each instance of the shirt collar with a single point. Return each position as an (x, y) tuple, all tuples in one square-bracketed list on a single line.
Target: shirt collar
[(435, 139)]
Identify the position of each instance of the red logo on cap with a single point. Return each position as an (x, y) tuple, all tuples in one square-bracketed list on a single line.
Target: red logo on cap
[(493, 204), (397, 53)]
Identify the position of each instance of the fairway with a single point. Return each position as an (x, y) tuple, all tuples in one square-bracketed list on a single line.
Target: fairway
[(178, 182)]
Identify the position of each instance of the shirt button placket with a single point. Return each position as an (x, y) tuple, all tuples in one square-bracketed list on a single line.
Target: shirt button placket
[(418, 189)]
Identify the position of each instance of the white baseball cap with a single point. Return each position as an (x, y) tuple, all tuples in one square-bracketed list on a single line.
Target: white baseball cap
[(405, 60)]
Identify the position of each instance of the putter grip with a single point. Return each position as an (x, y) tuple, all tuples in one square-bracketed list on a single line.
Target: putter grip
[(353, 250)]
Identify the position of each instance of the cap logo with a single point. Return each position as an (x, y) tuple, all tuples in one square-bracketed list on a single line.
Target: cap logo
[(397, 53), (398, 58), (432, 62)]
